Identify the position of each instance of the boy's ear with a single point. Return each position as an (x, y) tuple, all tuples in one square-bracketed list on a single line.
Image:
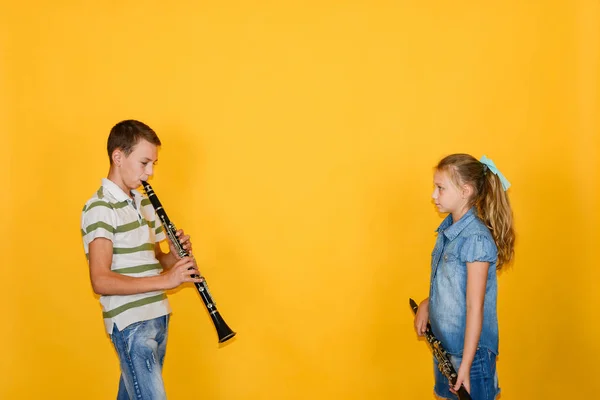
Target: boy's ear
[(117, 157)]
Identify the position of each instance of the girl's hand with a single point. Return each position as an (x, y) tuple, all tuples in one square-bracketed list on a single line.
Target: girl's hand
[(422, 317), (463, 378)]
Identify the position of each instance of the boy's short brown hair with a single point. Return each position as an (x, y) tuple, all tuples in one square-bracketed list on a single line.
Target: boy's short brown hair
[(126, 134)]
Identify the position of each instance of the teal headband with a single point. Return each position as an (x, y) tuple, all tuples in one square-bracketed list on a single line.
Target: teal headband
[(492, 167)]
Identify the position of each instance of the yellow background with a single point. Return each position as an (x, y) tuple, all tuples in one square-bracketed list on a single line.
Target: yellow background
[(298, 145)]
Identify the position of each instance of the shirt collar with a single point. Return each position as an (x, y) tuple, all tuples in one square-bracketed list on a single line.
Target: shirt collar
[(452, 230), (118, 193)]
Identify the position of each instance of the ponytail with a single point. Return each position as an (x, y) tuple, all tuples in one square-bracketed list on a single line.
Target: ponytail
[(494, 209)]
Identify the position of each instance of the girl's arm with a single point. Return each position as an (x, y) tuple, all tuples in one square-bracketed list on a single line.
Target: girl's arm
[(476, 282), (422, 317)]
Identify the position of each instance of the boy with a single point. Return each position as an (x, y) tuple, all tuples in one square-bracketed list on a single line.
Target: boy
[(121, 235)]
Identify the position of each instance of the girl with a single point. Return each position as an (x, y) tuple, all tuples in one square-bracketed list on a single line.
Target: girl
[(474, 241)]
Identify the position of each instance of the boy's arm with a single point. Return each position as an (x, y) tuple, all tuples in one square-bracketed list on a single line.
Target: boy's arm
[(107, 282), (167, 260)]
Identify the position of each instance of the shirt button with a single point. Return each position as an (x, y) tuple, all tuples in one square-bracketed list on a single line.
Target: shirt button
[(445, 257)]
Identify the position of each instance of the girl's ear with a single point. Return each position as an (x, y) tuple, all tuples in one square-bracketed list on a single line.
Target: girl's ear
[(467, 191)]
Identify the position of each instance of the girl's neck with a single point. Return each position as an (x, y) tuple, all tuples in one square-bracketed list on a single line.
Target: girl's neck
[(457, 215)]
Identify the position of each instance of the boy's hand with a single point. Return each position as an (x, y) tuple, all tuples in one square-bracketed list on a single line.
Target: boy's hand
[(181, 272), (185, 242)]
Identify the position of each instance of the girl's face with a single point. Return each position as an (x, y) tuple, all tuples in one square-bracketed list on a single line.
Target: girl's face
[(448, 197)]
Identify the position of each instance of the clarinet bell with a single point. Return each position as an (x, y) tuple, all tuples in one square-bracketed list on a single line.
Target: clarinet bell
[(224, 332)]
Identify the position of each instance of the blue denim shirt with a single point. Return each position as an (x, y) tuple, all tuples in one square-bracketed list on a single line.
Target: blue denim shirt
[(467, 240)]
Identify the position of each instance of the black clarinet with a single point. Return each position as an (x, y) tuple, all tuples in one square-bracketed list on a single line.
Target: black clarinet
[(441, 355), (223, 331)]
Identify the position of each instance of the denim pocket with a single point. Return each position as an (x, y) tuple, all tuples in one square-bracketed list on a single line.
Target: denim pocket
[(452, 264), (132, 326), (450, 257), (129, 331), (491, 362), (484, 381), (481, 367)]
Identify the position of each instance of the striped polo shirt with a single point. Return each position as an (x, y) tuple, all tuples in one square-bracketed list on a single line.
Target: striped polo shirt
[(134, 229)]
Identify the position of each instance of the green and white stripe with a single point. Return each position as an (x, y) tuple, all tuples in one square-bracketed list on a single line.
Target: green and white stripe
[(134, 232)]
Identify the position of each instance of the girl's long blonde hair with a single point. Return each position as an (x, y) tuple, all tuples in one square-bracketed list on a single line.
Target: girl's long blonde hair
[(489, 198)]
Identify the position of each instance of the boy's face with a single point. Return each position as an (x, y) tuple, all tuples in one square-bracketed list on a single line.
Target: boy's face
[(138, 166)]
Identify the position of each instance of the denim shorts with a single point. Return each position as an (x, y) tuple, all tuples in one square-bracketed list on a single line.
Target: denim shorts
[(484, 377), (141, 348)]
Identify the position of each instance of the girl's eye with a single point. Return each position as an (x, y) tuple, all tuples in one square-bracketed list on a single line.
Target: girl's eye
[(145, 163)]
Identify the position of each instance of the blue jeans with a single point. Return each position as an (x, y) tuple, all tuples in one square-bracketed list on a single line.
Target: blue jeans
[(141, 349), (484, 377)]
